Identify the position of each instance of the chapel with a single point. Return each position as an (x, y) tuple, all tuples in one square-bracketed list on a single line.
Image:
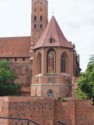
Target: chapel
[(44, 63)]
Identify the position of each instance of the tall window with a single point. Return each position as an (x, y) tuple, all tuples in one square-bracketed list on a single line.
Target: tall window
[(41, 26), (51, 61), (63, 63), (35, 18), (39, 63), (40, 18)]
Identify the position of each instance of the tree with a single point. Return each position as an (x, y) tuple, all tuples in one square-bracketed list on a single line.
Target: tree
[(86, 81), (7, 77)]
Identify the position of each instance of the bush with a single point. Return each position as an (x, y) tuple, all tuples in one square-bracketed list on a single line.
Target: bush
[(7, 77), (86, 81)]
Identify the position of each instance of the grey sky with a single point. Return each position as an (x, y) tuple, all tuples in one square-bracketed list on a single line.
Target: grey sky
[(75, 18)]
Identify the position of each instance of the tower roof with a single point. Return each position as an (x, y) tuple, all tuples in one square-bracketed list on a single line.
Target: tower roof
[(53, 37)]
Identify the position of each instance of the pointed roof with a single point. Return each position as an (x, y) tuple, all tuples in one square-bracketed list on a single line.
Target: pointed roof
[(53, 32)]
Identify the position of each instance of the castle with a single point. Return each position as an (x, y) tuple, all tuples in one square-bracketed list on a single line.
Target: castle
[(45, 62), (46, 65)]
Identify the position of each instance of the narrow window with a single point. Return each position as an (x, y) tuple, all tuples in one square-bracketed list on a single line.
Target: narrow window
[(63, 63), (40, 18), (40, 26), (35, 18), (51, 40)]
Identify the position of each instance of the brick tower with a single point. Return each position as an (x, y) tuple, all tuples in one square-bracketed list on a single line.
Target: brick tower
[(53, 57), (39, 19)]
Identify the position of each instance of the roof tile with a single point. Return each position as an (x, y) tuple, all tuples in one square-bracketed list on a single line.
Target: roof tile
[(15, 47), (53, 31)]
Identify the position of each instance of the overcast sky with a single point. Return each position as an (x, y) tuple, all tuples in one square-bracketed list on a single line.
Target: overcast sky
[(75, 17)]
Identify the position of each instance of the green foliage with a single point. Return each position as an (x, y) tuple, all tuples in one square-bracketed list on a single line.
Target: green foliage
[(86, 81), (7, 77)]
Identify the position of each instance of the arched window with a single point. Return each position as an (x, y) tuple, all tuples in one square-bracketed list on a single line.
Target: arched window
[(35, 18), (50, 93), (63, 63), (51, 61), (40, 18), (39, 63)]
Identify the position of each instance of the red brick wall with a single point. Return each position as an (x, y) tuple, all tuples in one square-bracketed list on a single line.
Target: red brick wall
[(78, 112), (84, 113), (39, 110), (64, 112), (3, 111), (46, 111)]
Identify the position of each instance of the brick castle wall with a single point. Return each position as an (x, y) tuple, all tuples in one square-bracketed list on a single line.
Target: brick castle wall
[(46, 111), (23, 72), (39, 110), (75, 112)]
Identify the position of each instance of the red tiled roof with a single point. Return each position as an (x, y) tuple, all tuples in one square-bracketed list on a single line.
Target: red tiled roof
[(15, 47), (53, 30)]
